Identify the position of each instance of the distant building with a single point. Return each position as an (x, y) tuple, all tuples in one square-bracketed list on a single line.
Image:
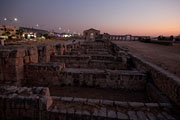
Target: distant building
[(12, 30), (91, 34), (37, 32)]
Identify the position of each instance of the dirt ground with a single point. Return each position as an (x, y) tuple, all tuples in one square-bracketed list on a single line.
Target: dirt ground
[(99, 93), (167, 57)]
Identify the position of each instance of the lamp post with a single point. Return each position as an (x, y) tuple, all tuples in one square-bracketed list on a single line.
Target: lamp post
[(11, 20)]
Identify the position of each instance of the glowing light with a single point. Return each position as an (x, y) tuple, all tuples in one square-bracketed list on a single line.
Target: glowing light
[(58, 35), (37, 25), (5, 19), (35, 35), (59, 28), (15, 19)]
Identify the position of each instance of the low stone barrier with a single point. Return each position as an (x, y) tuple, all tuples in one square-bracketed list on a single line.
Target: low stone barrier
[(85, 61), (103, 78), (23, 102), (166, 82), (86, 109), (42, 74)]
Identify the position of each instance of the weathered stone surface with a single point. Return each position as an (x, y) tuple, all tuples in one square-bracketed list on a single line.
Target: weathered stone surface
[(152, 104), (122, 116), (151, 116), (68, 99), (132, 115), (141, 115), (136, 104), (111, 114)]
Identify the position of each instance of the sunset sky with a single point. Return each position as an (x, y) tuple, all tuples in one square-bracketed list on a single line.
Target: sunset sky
[(136, 17)]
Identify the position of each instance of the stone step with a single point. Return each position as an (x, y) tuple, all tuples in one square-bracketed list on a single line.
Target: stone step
[(110, 110)]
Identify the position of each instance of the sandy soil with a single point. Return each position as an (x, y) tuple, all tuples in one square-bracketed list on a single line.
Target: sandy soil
[(167, 57)]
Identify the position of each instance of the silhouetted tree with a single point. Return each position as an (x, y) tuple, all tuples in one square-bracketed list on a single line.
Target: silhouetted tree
[(171, 37), (19, 33), (7, 33)]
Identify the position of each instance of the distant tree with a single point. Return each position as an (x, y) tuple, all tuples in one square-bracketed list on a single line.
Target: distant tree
[(19, 33), (7, 33), (46, 36), (159, 37), (171, 37)]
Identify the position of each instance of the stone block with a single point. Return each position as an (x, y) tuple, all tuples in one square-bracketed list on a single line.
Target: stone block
[(141, 115), (102, 112), (160, 116), (132, 115), (152, 104), (26, 59), (122, 116), (80, 100), (167, 116), (107, 102), (136, 104), (71, 111), (45, 102), (17, 53), (151, 116), (112, 114), (67, 99), (121, 104), (93, 100)]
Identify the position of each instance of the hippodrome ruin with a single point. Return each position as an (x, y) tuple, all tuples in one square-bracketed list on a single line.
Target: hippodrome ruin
[(29, 71)]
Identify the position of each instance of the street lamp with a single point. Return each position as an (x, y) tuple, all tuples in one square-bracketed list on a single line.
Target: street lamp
[(59, 28), (11, 20), (5, 19), (15, 19), (37, 25)]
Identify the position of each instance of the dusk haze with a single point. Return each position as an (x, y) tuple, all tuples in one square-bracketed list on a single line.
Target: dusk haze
[(136, 17)]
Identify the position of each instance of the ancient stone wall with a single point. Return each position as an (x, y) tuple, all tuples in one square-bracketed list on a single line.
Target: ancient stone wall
[(12, 64), (166, 82), (42, 74), (91, 61), (103, 78), (12, 60), (23, 103)]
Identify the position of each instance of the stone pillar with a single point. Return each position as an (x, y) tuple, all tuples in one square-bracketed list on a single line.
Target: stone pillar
[(2, 42)]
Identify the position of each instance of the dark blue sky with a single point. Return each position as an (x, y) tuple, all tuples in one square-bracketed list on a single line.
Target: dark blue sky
[(138, 17)]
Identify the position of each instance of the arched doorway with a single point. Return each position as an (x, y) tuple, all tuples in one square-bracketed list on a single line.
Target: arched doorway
[(91, 35)]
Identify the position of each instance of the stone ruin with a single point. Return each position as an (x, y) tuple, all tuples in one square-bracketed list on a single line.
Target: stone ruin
[(27, 71)]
